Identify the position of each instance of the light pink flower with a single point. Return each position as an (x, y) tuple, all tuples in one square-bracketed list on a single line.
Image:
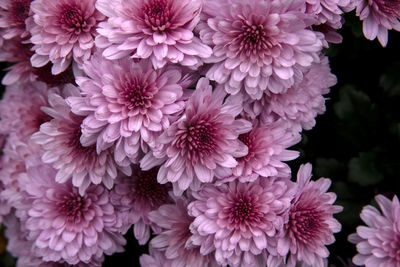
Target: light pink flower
[(62, 224), (13, 14), (378, 17), (130, 103), (60, 140), (378, 243), (239, 219), (161, 30), (61, 31), (311, 224), (134, 197), (175, 238), (267, 145), (300, 104), (203, 142), (258, 45)]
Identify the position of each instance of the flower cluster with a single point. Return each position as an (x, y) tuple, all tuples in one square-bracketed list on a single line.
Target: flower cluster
[(174, 118)]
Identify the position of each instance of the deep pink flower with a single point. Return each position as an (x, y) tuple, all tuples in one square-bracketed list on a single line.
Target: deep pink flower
[(378, 243), (61, 31), (60, 140), (161, 30), (267, 145), (300, 104), (258, 45), (13, 14), (203, 142), (20, 109), (134, 197), (239, 219), (175, 238), (311, 224), (378, 17), (62, 224), (130, 103)]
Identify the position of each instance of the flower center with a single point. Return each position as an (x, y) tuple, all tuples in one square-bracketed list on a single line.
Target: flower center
[(20, 11), (72, 205), (242, 211), (147, 188), (136, 93), (389, 7), (71, 19), (248, 139), (305, 224), (86, 153), (157, 14), (253, 37)]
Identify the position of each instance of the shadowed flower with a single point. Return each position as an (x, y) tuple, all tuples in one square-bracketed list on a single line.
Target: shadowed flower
[(258, 45), (61, 31), (378, 243), (155, 258), (62, 224), (378, 17), (161, 30), (129, 102), (311, 224), (13, 14), (60, 140), (134, 197), (203, 142), (239, 219)]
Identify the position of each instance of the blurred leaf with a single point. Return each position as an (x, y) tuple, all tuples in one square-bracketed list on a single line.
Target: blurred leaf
[(390, 80), (342, 190), (363, 170), (330, 168)]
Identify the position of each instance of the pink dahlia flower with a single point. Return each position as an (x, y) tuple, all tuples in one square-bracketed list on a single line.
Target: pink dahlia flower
[(378, 17), (161, 30), (378, 243), (62, 224), (239, 219), (175, 238), (203, 142), (60, 140), (61, 31), (20, 109), (267, 145), (311, 224), (130, 104), (258, 45), (134, 197), (13, 14), (300, 104)]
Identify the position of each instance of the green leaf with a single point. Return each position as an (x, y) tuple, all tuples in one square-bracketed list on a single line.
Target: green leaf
[(390, 80), (330, 168), (363, 169)]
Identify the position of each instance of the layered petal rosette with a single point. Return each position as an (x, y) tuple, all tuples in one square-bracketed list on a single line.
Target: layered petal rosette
[(60, 140), (61, 31), (134, 197), (13, 14), (239, 219), (258, 45), (161, 30), (203, 142), (378, 242), (311, 224), (378, 16), (62, 224)]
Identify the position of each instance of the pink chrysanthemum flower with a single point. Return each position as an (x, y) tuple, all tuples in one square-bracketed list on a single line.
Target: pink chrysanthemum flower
[(203, 142), (300, 104), (20, 109), (378, 17), (161, 30), (238, 219), (134, 197), (258, 45), (267, 150), (13, 14), (60, 140), (62, 224), (62, 31), (175, 238), (378, 243), (130, 105), (311, 224)]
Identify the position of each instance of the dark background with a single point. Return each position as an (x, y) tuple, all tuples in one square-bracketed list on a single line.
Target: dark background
[(356, 142)]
